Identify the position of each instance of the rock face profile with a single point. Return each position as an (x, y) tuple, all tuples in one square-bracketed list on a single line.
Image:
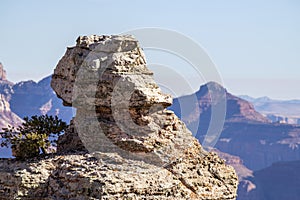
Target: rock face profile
[(131, 146)]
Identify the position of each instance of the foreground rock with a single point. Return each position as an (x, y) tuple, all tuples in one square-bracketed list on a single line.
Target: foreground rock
[(109, 176), (137, 148)]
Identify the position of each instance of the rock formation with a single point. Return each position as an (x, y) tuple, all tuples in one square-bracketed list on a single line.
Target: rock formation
[(2, 73), (120, 109), (137, 148)]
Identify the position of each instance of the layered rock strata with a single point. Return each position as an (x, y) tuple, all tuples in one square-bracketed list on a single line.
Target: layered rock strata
[(137, 149)]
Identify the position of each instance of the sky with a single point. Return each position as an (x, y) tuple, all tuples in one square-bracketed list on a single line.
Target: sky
[(255, 45)]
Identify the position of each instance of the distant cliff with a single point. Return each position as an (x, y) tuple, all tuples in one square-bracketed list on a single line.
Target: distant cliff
[(27, 98), (279, 181), (31, 98), (199, 106), (7, 116), (281, 111), (246, 132), (249, 141)]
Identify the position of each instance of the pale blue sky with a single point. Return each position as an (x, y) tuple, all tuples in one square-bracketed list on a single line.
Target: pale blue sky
[(255, 44)]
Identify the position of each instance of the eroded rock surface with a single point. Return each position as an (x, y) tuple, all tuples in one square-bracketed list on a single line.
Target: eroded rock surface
[(137, 148), (109, 176)]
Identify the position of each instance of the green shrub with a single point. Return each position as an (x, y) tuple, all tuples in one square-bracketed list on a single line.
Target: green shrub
[(34, 137)]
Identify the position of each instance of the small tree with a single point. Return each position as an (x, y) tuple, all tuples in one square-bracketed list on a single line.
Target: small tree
[(34, 136)]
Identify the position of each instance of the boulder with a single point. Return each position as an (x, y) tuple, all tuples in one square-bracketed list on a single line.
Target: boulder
[(122, 143)]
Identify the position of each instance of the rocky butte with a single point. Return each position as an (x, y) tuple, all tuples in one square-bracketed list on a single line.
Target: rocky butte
[(2, 73), (123, 143)]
